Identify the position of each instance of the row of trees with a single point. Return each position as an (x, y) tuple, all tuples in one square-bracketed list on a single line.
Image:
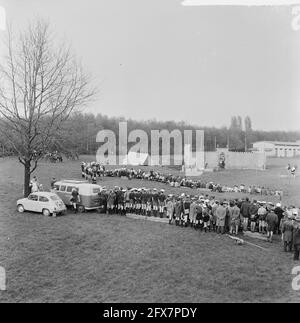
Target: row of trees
[(79, 132)]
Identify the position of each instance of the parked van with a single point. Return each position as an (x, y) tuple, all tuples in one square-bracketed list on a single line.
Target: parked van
[(89, 193)]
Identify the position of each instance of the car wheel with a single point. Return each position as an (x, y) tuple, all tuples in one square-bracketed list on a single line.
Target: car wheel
[(20, 208), (81, 209), (46, 212)]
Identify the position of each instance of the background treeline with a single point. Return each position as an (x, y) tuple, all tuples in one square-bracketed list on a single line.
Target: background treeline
[(80, 131)]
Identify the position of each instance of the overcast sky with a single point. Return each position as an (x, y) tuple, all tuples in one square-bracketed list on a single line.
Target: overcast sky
[(159, 59)]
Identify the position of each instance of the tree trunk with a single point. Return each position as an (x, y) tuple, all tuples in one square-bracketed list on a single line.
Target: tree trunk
[(27, 166)]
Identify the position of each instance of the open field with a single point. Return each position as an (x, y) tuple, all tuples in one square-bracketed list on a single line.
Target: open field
[(100, 258)]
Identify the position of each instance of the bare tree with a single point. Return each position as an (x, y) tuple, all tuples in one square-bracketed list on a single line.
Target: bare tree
[(41, 84)]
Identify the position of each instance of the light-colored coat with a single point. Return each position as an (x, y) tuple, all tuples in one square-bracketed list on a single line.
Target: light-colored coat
[(221, 216), (287, 230)]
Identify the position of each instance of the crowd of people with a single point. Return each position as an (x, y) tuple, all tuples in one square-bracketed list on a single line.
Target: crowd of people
[(200, 212), (90, 171), (206, 213)]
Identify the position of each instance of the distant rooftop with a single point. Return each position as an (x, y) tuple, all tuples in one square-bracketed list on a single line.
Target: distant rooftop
[(281, 143)]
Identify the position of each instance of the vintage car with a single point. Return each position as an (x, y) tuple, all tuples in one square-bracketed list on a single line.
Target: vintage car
[(46, 203), (88, 193)]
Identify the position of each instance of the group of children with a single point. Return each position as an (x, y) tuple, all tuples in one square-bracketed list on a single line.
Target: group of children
[(90, 171), (198, 211), (207, 214)]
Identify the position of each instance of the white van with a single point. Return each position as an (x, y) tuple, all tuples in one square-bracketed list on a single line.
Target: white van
[(89, 193)]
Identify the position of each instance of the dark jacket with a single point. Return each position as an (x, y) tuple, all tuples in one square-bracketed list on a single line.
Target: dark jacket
[(245, 209), (296, 234), (272, 220)]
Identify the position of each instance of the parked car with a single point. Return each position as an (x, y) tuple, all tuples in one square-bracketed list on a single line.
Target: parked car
[(88, 193), (42, 202)]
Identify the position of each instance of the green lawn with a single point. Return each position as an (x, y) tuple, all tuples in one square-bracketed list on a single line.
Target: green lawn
[(100, 258)]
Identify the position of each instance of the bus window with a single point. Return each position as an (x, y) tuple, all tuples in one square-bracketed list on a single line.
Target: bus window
[(63, 188)]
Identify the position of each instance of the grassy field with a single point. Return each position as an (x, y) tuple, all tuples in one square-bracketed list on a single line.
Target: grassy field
[(99, 258)]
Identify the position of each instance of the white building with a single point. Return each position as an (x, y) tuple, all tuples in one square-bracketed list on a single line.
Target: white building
[(277, 148)]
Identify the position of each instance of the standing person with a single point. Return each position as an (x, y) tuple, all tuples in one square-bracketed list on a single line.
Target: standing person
[(111, 202), (245, 207), (296, 237), (253, 215), (198, 211), (235, 219), (34, 185), (272, 221), (127, 200), (149, 202), (262, 213), (193, 212), (155, 202), (186, 210), (178, 211), (161, 201), (214, 215), (119, 205), (132, 200), (170, 208), (206, 218), (144, 201), (279, 212), (227, 217), (103, 200), (138, 199), (287, 233), (53, 181), (83, 165), (116, 192), (221, 215), (230, 216), (75, 199)]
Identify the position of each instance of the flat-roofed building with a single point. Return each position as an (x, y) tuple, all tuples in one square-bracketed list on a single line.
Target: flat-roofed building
[(277, 148)]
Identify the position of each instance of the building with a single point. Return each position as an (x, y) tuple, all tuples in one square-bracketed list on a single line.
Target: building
[(277, 148)]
